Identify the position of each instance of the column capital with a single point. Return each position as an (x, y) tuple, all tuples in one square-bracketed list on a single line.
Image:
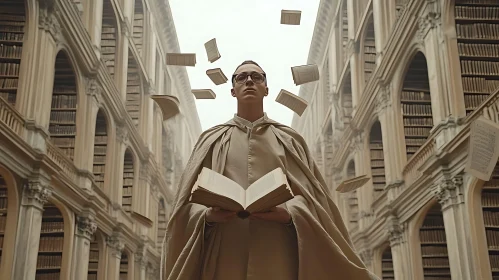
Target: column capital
[(38, 193), (449, 191), (86, 226), (47, 19), (367, 256), (94, 89), (116, 244), (125, 29), (382, 99), (122, 133), (145, 171), (395, 230), (430, 19)]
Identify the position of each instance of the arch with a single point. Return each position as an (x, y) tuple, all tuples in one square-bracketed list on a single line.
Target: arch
[(14, 13), (162, 222), (96, 258), (128, 180), (377, 158), (353, 200), (387, 271), (415, 100), (109, 36), (368, 48), (101, 143), (133, 89), (9, 203), (138, 25), (346, 98), (62, 126)]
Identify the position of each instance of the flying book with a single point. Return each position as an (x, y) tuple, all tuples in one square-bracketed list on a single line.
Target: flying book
[(181, 59), (305, 74), (169, 104), (483, 150), (352, 184), (212, 50), (212, 189), (290, 17), (292, 101), (217, 76), (204, 94)]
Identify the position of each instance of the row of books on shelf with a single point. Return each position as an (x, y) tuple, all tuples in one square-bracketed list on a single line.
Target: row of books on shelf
[(492, 238), (67, 90), (415, 95), (369, 57), (12, 17), (414, 141), (128, 172), (379, 180), (12, 28), (432, 222), (416, 109), (473, 67), (126, 201), (436, 273), (417, 131), (479, 85), (411, 150), (428, 121), (64, 101), (378, 172), (9, 69), (128, 190), (476, 2), (466, 12), (128, 181), (7, 51), (8, 83), (376, 145), (52, 227), (477, 31), (107, 29), (51, 244), (377, 163), (100, 150), (491, 199), (431, 236), (101, 139), (94, 256), (49, 261), (99, 159), (68, 130), (99, 169), (494, 261), (435, 262), (428, 251), (473, 101), (49, 276), (3, 190), (387, 264), (369, 66), (3, 202), (63, 141), (478, 50), (12, 37), (69, 152), (62, 116)]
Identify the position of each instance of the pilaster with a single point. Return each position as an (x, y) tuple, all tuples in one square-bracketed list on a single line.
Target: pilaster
[(141, 196), (141, 262), (115, 246), (367, 256), (119, 148), (34, 196), (121, 67), (85, 228), (399, 248), (92, 19), (384, 18), (450, 194)]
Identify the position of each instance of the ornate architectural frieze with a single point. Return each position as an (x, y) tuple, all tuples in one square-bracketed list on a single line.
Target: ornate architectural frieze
[(449, 192), (48, 20), (86, 226), (37, 193), (116, 245), (122, 134), (431, 18), (383, 99), (94, 89), (395, 230)]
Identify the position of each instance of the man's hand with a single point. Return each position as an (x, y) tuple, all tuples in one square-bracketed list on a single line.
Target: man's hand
[(217, 215), (277, 214)]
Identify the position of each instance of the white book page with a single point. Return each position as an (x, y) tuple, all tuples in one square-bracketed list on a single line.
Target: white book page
[(222, 185), (305, 74), (212, 50), (483, 148), (292, 101), (261, 187)]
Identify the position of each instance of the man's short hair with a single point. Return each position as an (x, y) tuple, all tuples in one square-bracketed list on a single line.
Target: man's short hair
[(244, 63)]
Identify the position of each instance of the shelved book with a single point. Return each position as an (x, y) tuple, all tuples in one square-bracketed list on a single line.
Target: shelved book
[(305, 74), (181, 59), (290, 17), (352, 184), (169, 104), (212, 50), (204, 94), (292, 101), (212, 189), (217, 76), (483, 150)]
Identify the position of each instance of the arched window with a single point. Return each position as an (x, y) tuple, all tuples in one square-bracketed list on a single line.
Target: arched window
[(62, 126), (49, 261), (416, 105), (100, 149), (12, 28), (109, 36), (128, 181), (124, 265), (346, 99), (387, 272), (369, 50), (94, 256), (138, 25), (161, 222), (344, 31), (133, 89), (377, 159)]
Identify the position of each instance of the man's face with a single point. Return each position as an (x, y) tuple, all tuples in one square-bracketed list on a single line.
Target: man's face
[(249, 90)]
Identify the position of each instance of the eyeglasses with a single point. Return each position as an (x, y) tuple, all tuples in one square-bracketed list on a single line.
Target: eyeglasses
[(256, 77)]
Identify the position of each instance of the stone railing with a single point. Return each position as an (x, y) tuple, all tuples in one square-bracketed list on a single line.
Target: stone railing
[(11, 118), (61, 160), (411, 170)]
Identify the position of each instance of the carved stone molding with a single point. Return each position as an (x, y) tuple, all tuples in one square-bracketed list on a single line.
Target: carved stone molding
[(383, 99), (122, 134), (94, 89), (395, 230), (431, 19), (145, 171), (125, 30), (116, 245), (37, 193), (367, 256), (86, 226), (47, 19), (449, 192)]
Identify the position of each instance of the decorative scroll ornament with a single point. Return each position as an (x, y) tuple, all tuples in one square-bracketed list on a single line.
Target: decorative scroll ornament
[(395, 230), (48, 20), (116, 245), (94, 89), (86, 226), (38, 192), (431, 19), (449, 191), (122, 134)]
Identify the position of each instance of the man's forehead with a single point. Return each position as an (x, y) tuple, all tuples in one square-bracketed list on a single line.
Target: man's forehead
[(248, 68)]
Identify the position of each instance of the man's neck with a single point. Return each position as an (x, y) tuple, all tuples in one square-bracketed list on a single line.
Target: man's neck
[(250, 112)]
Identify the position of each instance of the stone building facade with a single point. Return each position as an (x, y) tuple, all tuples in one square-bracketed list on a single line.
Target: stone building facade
[(401, 81), (87, 164)]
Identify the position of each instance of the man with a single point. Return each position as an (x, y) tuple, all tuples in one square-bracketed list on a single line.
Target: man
[(305, 238)]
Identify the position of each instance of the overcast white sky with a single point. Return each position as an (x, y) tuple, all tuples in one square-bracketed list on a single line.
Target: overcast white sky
[(244, 30)]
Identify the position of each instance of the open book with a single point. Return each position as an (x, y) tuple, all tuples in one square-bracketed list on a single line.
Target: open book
[(217, 76), (352, 184), (212, 50), (212, 189), (305, 74), (169, 105), (293, 102), (483, 150), (181, 59), (290, 17), (204, 94)]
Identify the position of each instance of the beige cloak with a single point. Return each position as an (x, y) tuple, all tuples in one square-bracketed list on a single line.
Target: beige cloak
[(318, 247)]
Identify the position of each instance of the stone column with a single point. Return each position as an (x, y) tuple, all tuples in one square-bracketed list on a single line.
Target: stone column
[(384, 17), (116, 246), (140, 264), (116, 169), (85, 228), (450, 194), (399, 247), (35, 194), (121, 60)]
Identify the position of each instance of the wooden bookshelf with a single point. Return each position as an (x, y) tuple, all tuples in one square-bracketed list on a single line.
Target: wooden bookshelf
[(100, 149), (124, 266), (62, 126), (353, 202), (128, 181), (490, 208), (161, 222), (13, 20), (138, 25), (133, 89), (93, 260), (109, 35), (344, 30), (416, 105), (346, 99), (3, 212), (387, 272), (49, 260), (369, 51), (377, 159), (434, 246), (477, 28)]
